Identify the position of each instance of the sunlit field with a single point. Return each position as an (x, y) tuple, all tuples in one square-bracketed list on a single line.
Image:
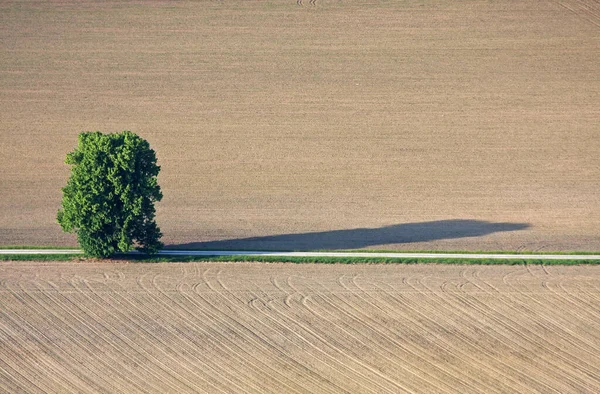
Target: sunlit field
[(410, 125)]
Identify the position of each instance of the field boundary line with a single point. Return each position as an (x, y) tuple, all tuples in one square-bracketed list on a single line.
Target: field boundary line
[(390, 255)]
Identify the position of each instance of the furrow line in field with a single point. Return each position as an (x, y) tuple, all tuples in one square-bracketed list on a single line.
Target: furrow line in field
[(581, 359), (338, 360), (71, 357), (9, 383), (514, 336), (465, 346), (592, 8), (471, 276), (565, 320), (224, 286), (572, 359), (257, 376), (428, 356), (66, 327), (143, 360), (524, 338), (399, 312), (590, 301), (578, 12), (248, 359), (386, 341), (289, 333), (355, 334), (426, 359), (149, 361), (466, 320), (11, 359), (68, 372), (316, 342), (115, 366), (287, 300), (259, 338), (139, 321), (157, 312), (590, 313), (123, 350), (329, 323)]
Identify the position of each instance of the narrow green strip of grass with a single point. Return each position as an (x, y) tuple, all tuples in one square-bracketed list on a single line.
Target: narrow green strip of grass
[(353, 260), (457, 252), (40, 257), (395, 251), (296, 260), (17, 247)]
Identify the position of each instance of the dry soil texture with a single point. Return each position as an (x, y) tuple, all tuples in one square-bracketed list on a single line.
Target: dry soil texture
[(285, 328), (435, 124)]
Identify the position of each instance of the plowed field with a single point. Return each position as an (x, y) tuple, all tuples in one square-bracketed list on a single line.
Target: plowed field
[(443, 125), (284, 328)]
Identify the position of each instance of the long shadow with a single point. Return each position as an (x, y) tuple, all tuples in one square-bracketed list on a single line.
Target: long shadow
[(360, 237)]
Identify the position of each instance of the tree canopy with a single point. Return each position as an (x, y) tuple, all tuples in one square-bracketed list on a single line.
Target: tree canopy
[(109, 198)]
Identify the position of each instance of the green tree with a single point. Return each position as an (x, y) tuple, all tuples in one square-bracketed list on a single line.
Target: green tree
[(109, 198)]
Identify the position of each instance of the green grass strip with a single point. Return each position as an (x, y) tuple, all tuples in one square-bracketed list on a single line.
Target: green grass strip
[(17, 247), (37, 247), (455, 252), (40, 257), (353, 260), (392, 251), (298, 260)]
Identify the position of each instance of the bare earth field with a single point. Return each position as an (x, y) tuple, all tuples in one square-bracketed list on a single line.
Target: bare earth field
[(412, 125), (283, 328)]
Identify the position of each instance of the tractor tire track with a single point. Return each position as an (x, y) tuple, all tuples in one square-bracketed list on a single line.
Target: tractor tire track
[(285, 328)]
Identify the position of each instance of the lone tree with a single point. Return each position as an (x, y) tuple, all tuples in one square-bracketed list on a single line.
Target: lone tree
[(109, 198)]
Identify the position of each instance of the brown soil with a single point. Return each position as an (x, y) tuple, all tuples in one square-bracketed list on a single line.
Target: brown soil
[(446, 125), (283, 328)]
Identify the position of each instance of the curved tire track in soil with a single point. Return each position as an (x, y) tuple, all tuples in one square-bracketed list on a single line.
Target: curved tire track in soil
[(285, 328), (588, 10)]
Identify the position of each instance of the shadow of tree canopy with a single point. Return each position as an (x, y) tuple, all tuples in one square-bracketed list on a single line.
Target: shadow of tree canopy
[(360, 237)]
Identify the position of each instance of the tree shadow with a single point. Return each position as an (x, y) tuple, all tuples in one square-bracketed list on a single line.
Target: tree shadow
[(360, 237)]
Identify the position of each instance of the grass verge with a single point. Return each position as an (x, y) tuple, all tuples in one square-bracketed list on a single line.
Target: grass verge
[(17, 247), (41, 257), (167, 248), (296, 260), (458, 252)]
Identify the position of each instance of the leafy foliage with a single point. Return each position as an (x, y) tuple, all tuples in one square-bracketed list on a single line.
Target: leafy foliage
[(109, 199)]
